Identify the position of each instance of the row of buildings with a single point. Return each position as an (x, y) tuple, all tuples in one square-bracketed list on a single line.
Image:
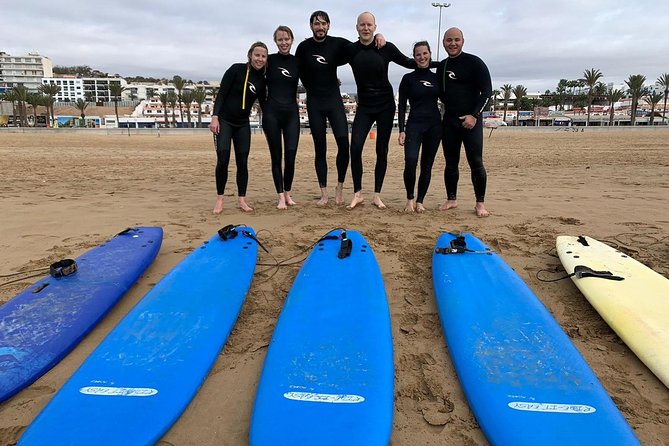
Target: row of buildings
[(33, 70)]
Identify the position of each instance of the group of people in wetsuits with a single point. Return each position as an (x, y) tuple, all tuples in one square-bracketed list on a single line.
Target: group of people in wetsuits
[(462, 83)]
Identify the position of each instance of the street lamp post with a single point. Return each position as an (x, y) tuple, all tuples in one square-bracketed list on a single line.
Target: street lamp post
[(440, 6)]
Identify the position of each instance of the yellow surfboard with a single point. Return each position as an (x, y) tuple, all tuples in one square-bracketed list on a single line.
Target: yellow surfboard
[(632, 298)]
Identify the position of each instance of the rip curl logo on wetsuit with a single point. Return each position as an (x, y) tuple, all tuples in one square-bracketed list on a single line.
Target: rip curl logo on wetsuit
[(252, 87), (451, 75), (284, 71), (427, 84), (320, 59)]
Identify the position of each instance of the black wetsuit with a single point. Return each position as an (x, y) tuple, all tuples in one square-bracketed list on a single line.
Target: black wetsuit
[(233, 108), (317, 63), (376, 103), (421, 89), (465, 89), (281, 117)]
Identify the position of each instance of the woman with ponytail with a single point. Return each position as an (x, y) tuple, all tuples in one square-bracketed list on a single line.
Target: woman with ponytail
[(241, 85)]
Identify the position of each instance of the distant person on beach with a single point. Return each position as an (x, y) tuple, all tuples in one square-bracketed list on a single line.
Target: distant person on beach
[(281, 116), (420, 89), (318, 58), (376, 102), (465, 89), (241, 85)]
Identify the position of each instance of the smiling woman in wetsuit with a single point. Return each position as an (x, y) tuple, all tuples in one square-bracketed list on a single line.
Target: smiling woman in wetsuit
[(281, 117), (241, 85), (420, 89)]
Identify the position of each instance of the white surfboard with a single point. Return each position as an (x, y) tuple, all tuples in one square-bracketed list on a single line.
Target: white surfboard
[(632, 298)]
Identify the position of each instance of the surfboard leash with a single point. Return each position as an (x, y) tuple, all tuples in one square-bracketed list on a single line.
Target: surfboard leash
[(229, 232), (456, 246), (581, 271), (36, 273)]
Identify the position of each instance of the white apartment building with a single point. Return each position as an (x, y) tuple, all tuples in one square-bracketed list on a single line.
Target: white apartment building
[(27, 70), (90, 89)]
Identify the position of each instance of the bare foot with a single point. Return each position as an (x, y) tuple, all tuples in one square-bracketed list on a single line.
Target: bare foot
[(420, 208), (218, 207), (282, 202), (448, 204), (288, 198), (323, 201), (339, 193), (410, 206), (376, 201), (480, 210), (357, 199), (243, 205)]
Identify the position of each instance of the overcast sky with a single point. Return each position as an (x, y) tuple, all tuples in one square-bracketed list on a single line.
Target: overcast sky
[(530, 42)]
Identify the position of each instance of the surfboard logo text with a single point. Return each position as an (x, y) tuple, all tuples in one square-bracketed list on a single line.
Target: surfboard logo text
[(324, 397), (552, 407), (118, 391)]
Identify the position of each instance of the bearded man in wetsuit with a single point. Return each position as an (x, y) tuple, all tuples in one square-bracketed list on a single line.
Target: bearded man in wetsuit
[(317, 63), (465, 89)]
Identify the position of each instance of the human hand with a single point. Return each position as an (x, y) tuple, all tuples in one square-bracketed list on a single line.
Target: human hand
[(214, 126), (468, 121), (401, 138), (380, 41)]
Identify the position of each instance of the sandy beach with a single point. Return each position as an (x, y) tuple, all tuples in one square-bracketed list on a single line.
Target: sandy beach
[(65, 192)]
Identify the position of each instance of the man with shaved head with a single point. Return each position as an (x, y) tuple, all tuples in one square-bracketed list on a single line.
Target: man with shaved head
[(465, 89), (376, 102)]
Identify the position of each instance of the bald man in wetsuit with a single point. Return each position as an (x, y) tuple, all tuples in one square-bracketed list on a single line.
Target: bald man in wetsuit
[(465, 90), (376, 102)]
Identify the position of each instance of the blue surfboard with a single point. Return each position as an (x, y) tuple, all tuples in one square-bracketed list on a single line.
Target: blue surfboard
[(138, 381), (525, 381), (45, 322), (328, 373)]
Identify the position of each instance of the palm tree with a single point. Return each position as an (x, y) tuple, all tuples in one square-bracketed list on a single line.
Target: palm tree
[(48, 103), (115, 90), (591, 77), (199, 96), (35, 100), (187, 98), (561, 94), (572, 86), (663, 81), (21, 93), (51, 90), (81, 106), (172, 99), (613, 96), (506, 91), (635, 84), (150, 92), (165, 100), (519, 92), (653, 98), (179, 83)]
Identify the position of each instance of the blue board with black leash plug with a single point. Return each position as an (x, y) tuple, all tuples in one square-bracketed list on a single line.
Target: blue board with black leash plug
[(328, 374), (524, 379), (42, 324)]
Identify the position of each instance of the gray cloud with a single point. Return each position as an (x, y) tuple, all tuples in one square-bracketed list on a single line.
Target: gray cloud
[(534, 43)]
